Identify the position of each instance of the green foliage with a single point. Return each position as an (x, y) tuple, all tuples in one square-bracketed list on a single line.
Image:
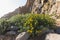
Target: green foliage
[(3, 25), (32, 23), (18, 20), (35, 23)]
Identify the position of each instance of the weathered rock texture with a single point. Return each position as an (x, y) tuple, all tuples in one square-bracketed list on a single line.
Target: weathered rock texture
[(37, 6), (43, 6), (56, 7), (22, 36), (52, 36)]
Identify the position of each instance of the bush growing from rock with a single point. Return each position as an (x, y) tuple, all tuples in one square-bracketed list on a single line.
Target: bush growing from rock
[(32, 23), (35, 23)]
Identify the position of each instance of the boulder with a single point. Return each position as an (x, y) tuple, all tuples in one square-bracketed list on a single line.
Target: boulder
[(22, 36), (52, 36)]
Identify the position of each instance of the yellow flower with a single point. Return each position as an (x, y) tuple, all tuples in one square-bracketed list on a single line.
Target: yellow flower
[(30, 31), (30, 25), (30, 19)]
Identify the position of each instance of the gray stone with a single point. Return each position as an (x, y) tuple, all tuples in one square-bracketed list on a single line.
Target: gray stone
[(52, 36), (11, 33), (22, 36)]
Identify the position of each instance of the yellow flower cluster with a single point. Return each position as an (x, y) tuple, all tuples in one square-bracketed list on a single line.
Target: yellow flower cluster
[(30, 19), (30, 25), (30, 31)]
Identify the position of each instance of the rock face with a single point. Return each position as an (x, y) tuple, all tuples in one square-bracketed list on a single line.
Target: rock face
[(56, 8), (42, 6), (52, 36), (37, 6), (27, 8), (21, 10), (58, 22), (22, 36)]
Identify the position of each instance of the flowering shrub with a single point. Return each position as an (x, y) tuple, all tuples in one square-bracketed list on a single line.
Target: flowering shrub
[(32, 23), (35, 23)]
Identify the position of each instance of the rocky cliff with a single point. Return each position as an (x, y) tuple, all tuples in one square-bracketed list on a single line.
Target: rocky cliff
[(43, 6), (37, 6), (21, 10)]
